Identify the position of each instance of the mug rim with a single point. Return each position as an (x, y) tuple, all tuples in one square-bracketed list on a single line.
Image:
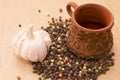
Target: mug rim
[(108, 27)]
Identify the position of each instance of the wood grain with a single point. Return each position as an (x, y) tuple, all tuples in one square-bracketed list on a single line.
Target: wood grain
[(25, 12)]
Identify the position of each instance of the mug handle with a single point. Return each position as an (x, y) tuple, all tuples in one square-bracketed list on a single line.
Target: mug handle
[(69, 5)]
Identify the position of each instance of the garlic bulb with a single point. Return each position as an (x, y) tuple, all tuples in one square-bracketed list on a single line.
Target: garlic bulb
[(32, 46)]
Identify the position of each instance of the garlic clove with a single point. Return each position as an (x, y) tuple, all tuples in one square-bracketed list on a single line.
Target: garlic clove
[(24, 49), (18, 36), (44, 35), (42, 51), (26, 44), (17, 41), (33, 54), (18, 47), (38, 50)]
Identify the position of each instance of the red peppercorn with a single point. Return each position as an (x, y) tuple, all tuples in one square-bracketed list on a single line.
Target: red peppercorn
[(71, 56), (60, 10), (60, 75), (102, 62), (56, 73), (48, 15), (65, 74), (87, 78)]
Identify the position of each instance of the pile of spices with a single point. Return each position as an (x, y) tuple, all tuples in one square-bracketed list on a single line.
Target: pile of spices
[(62, 64)]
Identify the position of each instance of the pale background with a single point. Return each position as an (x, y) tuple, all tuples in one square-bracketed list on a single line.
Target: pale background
[(25, 12)]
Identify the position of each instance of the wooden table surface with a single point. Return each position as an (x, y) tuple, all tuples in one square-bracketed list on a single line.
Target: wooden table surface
[(25, 12)]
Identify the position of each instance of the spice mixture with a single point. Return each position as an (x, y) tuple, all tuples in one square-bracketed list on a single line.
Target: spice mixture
[(62, 64)]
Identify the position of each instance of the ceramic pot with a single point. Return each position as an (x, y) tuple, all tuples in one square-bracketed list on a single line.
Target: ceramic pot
[(90, 34)]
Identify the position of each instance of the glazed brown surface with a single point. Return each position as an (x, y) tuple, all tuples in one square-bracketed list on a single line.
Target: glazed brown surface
[(90, 31)]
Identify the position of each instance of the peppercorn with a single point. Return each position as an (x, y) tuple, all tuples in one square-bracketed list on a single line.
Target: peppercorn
[(18, 78), (60, 10), (39, 11), (19, 25)]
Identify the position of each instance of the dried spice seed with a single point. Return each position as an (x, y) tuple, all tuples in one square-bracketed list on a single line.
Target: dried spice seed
[(60, 10), (18, 78), (48, 15), (62, 64), (60, 75), (20, 25), (39, 11)]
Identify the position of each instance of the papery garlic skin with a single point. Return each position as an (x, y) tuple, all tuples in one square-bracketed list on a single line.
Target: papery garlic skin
[(32, 46), (44, 36)]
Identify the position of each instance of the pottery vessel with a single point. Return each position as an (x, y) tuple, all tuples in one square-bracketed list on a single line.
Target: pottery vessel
[(89, 35)]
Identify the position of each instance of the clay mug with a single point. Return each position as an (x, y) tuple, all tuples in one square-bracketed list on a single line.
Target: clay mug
[(89, 34)]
